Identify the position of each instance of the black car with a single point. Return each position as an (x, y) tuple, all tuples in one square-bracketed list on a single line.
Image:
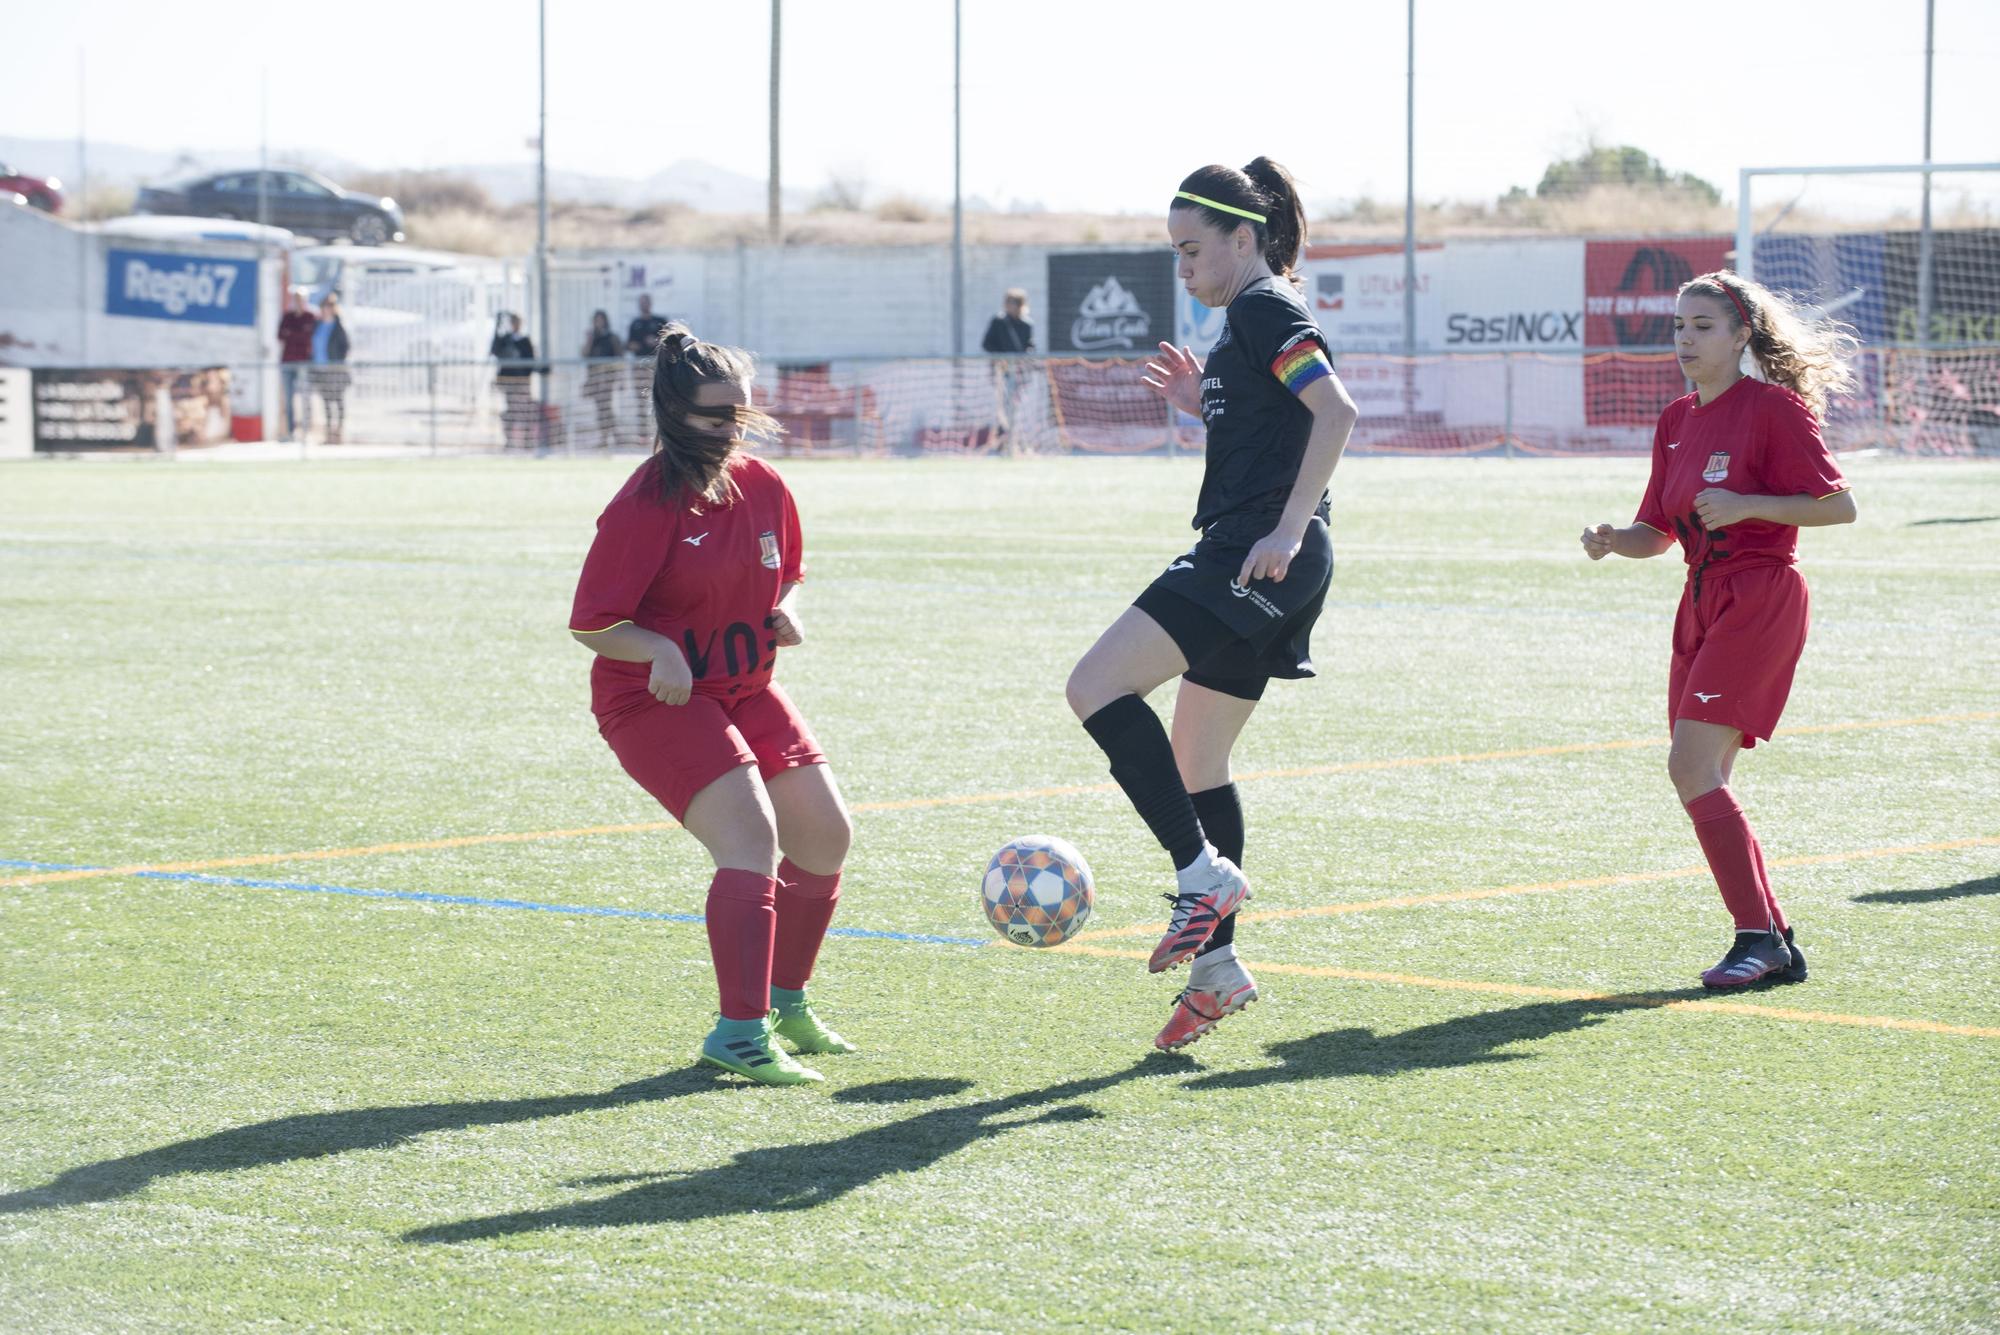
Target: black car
[(302, 202)]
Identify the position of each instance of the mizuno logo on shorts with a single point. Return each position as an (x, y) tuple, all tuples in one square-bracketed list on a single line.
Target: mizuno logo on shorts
[(695, 541), (1706, 698), (1180, 565)]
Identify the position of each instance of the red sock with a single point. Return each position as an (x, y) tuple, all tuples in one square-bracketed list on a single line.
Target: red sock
[(1764, 882), (1731, 849), (742, 920), (806, 901)]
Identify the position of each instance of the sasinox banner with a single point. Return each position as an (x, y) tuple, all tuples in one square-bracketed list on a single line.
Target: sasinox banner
[(130, 409), (1629, 288), (1111, 301)]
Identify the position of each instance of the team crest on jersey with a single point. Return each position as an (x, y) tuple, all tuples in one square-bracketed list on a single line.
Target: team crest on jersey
[(1717, 467), (767, 547)]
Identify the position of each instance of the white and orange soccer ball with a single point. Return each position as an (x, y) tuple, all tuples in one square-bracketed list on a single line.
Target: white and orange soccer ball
[(1037, 891)]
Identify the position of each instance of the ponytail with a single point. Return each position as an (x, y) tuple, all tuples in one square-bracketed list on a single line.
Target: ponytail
[(1285, 218)]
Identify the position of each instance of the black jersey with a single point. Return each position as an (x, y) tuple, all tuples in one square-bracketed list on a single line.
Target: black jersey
[(1270, 349)]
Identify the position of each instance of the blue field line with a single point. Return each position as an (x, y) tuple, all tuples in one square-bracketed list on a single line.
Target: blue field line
[(474, 901)]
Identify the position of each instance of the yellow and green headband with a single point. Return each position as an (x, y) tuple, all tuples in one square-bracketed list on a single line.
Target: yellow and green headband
[(1206, 202)]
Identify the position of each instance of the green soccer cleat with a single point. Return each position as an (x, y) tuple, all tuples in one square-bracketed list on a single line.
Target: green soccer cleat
[(745, 1047), (795, 1022)]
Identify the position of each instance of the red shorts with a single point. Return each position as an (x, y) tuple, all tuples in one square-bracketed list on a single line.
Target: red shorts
[(1735, 650), (675, 751)]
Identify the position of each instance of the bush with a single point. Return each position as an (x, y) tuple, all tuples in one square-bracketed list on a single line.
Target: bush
[(424, 192)]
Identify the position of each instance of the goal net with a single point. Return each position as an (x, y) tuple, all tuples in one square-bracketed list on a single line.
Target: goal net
[(1851, 242)]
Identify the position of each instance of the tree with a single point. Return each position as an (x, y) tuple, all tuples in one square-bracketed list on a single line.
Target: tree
[(1603, 164)]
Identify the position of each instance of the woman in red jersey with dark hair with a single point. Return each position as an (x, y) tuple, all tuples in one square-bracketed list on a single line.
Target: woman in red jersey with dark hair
[(686, 597), (1738, 469)]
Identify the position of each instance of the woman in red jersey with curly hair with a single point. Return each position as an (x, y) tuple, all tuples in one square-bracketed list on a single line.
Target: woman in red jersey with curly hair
[(1739, 468), (686, 597)]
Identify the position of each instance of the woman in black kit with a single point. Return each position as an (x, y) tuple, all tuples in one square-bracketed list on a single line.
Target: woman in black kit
[(1237, 609)]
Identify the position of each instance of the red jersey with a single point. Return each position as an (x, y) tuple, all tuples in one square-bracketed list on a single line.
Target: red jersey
[(295, 336), (1755, 438), (704, 576)]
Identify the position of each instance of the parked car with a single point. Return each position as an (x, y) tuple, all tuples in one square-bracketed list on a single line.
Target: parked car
[(43, 192), (302, 202)]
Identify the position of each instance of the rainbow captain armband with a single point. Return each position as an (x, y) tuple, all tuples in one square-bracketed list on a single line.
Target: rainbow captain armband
[(1301, 364)]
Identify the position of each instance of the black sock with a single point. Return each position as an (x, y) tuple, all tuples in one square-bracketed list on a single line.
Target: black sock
[(1142, 761), (1220, 812)]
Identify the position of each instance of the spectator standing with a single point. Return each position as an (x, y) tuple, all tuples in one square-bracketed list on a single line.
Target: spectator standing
[(1009, 335), (295, 354), (642, 340), (1009, 332), (329, 366), (600, 377), (515, 352)]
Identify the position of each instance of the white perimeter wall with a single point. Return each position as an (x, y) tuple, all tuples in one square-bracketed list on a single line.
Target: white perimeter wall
[(52, 307), (802, 303)]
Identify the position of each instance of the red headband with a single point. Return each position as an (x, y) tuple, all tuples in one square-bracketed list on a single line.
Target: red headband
[(1735, 301)]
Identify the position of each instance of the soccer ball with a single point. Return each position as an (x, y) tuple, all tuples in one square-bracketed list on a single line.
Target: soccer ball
[(1037, 891)]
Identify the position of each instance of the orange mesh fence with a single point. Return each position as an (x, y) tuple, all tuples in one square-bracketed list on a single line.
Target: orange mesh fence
[(1936, 402)]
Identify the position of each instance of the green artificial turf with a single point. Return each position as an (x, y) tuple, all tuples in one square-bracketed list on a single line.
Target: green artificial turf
[(278, 1105)]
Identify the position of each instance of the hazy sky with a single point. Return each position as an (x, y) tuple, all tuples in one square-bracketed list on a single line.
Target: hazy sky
[(1068, 103)]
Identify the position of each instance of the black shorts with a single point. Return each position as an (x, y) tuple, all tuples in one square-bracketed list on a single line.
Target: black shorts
[(1236, 639)]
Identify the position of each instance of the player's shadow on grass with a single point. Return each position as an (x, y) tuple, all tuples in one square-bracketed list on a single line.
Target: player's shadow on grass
[(802, 1176), (1986, 885), (316, 1135), (1467, 1040)]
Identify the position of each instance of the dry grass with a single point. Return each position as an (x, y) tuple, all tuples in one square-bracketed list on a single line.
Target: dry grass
[(104, 201), (1643, 210)]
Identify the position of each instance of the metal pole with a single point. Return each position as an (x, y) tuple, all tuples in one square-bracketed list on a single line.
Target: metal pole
[(1410, 216), (775, 204), (1924, 258), (542, 219), (264, 378), (1746, 236), (957, 193), (264, 151), (1410, 190), (83, 246)]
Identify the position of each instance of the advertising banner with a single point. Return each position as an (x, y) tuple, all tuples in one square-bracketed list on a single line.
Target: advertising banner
[(1117, 302), (199, 289), (1629, 292), (1841, 276), (1356, 293), (131, 409), (1506, 296), (1965, 286)]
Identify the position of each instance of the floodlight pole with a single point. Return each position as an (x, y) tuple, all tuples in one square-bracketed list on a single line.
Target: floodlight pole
[(773, 203), (1924, 258), (264, 151), (1410, 188), (957, 191), (542, 219), (1410, 216), (83, 246)]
